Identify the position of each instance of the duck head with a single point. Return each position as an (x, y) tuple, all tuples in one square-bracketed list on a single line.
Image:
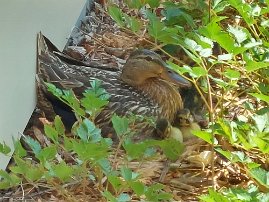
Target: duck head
[(184, 117), (145, 64)]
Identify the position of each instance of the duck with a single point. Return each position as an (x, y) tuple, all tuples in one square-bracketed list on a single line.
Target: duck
[(145, 86), (186, 123), (164, 130)]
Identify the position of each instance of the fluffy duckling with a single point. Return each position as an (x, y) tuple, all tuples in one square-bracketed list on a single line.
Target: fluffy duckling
[(186, 123), (165, 130)]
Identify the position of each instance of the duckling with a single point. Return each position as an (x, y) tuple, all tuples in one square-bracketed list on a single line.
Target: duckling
[(165, 130), (186, 123), (145, 86)]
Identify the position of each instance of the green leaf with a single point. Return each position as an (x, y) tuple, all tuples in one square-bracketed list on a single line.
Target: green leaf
[(4, 149), (232, 74), (213, 196), (199, 71), (35, 146), (63, 171), (123, 198), (9, 180), (90, 151), (105, 165), (19, 150), (71, 100), (47, 154), (206, 136), (138, 187), (54, 90), (127, 174), (261, 121), (153, 3), (116, 14), (252, 65), (213, 31), (97, 90), (109, 196), (244, 10), (93, 104), (238, 33), (137, 4), (171, 148), (120, 124), (225, 57), (132, 23), (176, 16), (261, 175), (261, 96), (206, 52), (116, 182), (155, 193), (59, 126), (51, 133), (88, 131)]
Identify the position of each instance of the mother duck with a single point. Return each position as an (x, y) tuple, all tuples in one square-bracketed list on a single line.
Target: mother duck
[(145, 86)]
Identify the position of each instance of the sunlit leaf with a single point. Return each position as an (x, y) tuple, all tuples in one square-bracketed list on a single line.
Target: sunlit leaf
[(116, 14), (232, 74), (261, 96), (225, 57)]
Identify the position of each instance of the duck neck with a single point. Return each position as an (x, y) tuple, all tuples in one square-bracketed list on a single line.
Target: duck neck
[(165, 95)]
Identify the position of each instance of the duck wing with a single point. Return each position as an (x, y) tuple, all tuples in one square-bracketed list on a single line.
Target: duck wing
[(124, 99)]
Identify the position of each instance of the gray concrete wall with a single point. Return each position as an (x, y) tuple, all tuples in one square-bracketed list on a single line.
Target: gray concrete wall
[(20, 21)]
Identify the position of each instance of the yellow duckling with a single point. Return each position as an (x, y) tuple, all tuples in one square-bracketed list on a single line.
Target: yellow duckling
[(165, 130), (186, 123)]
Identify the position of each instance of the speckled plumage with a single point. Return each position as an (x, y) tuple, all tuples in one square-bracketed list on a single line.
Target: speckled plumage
[(153, 98)]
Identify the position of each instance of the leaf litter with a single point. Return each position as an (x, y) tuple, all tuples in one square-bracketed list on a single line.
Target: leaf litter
[(100, 40)]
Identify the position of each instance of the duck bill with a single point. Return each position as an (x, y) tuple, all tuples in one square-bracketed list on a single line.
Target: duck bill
[(175, 78)]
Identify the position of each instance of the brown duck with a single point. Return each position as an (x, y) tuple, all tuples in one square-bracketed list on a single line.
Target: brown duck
[(145, 86)]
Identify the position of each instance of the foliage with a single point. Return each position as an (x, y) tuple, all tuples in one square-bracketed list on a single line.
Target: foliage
[(228, 61), (90, 151)]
